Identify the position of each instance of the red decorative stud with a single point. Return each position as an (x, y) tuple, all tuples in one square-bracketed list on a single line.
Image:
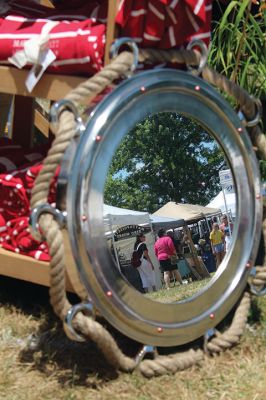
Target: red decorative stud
[(84, 218), (248, 265), (197, 88), (98, 138), (143, 89), (109, 293), (159, 329), (240, 130), (212, 316), (258, 196)]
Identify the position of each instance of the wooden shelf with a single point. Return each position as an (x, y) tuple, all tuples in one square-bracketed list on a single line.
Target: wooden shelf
[(51, 86), (41, 123), (27, 269)]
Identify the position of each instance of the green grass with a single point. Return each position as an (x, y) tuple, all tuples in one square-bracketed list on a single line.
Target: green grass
[(58, 369), (178, 292)]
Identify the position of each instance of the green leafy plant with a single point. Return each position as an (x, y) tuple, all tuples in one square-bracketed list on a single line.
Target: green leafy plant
[(238, 46)]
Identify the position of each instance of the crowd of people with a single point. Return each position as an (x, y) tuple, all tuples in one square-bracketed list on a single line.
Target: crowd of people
[(168, 249)]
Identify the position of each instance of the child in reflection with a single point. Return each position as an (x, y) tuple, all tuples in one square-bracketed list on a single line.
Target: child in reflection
[(146, 269), (217, 243), (227, 229)]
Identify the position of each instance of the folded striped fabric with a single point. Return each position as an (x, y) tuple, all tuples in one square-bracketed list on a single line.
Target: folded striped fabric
[(15, 192), (165, 23), (77, 38), (78, 46)]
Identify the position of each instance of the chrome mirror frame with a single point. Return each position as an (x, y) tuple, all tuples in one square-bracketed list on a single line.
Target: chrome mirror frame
[(149, 322)]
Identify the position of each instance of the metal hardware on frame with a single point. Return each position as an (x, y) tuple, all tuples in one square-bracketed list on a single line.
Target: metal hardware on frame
[(203, 56), (68, 327), (58, 107), (132, 45), (58, 215), (146, 349), (253, 288)]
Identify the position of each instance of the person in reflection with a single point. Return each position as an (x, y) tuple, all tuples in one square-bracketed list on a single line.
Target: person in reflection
[(217, 243), (146, 269), (185, 244), (227, 229), (164, 249), (207, 255), (176, 242)]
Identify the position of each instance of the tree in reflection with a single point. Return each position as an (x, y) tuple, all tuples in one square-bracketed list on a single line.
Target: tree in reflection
[(167, 157)]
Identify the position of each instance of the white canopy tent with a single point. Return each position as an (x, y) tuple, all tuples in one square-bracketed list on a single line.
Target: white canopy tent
[(122, 216), (218, 202), (117, 216)]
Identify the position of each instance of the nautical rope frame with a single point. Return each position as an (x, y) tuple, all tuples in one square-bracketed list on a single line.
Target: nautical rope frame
[(96, 280)]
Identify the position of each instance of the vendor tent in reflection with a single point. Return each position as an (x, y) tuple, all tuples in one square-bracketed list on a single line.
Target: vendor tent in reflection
[(228, 202), (188, 212), (122, 226), (121, 216), (159, 222), (117, 217)]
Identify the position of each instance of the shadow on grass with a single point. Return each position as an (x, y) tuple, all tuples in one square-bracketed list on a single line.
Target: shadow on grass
[(255, 314), (70, 363), (49, 350)]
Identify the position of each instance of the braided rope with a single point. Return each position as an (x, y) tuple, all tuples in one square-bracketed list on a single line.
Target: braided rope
[(87, 326), (259, 279), (162, 365), (231, 336), (182, 56)]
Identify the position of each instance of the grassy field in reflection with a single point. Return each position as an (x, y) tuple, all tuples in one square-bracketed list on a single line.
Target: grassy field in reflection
[(178, 292)]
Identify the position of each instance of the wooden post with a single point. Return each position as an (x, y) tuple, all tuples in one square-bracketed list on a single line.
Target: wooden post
[(23, 121), (47, 3), (110, 30), (199, 266), (5, 104)]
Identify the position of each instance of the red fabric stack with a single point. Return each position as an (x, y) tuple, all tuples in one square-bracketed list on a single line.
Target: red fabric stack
[(78, 38), (165, 23), (15, 191), (77, 45)]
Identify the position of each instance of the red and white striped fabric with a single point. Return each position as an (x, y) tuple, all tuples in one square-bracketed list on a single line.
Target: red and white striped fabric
[(17, 238), (77, 45), (165, 23), (153, 23), (68, 10), (15, 192)]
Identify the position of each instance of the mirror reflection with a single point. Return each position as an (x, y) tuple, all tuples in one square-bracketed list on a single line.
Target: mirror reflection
[(169, 207)]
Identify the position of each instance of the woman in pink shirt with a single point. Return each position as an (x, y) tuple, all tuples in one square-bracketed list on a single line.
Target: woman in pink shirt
[(164, 248)]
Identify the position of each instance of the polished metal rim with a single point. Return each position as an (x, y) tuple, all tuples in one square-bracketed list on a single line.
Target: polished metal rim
[(129, 311)]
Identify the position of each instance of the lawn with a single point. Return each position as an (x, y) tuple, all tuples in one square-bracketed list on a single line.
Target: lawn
[(39, 362), (178, 292)]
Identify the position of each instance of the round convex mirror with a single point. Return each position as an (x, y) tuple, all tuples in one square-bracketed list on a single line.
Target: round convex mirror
[(137, 315), (162, 170)]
